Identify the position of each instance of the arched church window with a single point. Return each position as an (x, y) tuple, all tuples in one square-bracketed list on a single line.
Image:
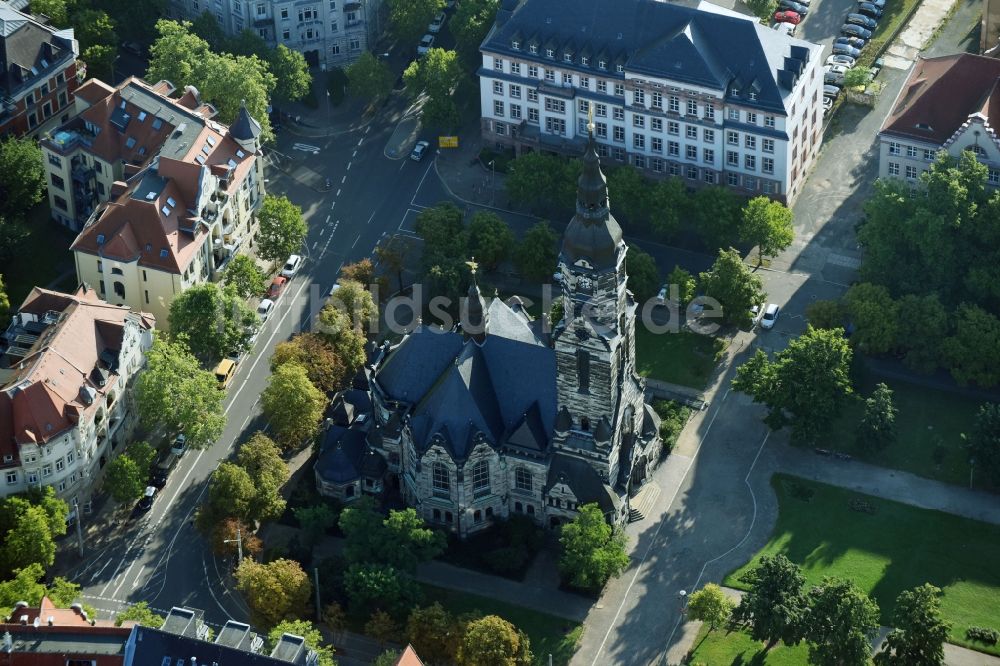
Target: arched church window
[(481, 478), (583, 369), (585, 423), (440, 479)]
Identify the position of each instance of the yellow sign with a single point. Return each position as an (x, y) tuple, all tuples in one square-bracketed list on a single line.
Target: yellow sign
[(448, 142)]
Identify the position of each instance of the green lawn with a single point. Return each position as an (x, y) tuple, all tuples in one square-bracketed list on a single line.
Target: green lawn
[(548, 634), (41, 257), (895, 13), (896, 548), (929, 426), (680, 358), (736, 648)]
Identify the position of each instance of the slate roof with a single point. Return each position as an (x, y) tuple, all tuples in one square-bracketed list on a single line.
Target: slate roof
[(341, 453), (503, 387), (24, 44), (154, 646), (583, 480), (656, 39), (941, 93)]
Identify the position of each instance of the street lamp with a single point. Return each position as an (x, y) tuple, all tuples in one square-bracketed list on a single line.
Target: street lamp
[(493, 181), (239, 545)]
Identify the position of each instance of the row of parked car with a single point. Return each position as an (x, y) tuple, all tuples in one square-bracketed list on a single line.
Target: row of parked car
[(854, 36), (427, 41)]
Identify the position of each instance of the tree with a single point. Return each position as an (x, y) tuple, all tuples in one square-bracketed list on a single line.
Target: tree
[(274, 591), (446, 248), (213, 322), (919, 630), (774, 606), (139, 613), (875, 316), (387, 658), (94, 27), (335, 618), (315, 520), (973, 351), (687, 286), (763, 9), (921, 328), (362, 271), (393, 258), (877, 428), (323, 366), (543, 182), (470, 24), (643, 275), (372, 587), (369, 78), (293, 405), (56, 10), (731, 283), (716, 214), (983, 441), (402, 540), (711, 606), (354, 300), (175, 392), (337, 330), (806, 384), (856, 76), (670, 205), (632, 195), (840, 624), (493, 641), (261, 458), (291, 73), (432, 632), (592, 553), (231, 535), (768, 225), (4, 301), (100, 59), (305, 629), (825, 314), (176, 54), (206, 26), (24, 585), (243, 275), (381, 627), (282, 229), (29, 540), (536, 254), (490, 240), (125, 480), (408, 19), (435, 74), (22, 176), (135, 20), (231, 493)]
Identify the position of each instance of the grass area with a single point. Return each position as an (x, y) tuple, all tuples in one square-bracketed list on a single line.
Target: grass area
[(895, 548), (41, 257), (736, 648), (896, 13), (929, 426), (548, 634), (684, 358)]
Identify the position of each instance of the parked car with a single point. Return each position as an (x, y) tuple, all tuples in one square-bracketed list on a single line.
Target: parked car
[(438, 22), (833, 79), (661, 297), (827, 105), (292, 266), (856, 42), (835, 68), (419, 150), (133, 48), (146, 501), (784, 28), (755, 312), (770, 316), (878, 3), (224, 372), (866, 22), (265, 308), (854, 30), (277, 286), (844, 49), (787, 17), (830, 90), (844, 60), (161, 470), (868, 9), (426, 44), (180, 445), (792, 5)]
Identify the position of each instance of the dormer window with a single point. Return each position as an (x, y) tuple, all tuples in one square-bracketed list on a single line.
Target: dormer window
[(550, 53), (601, 64), (516, 45), (620, 68), (752, 96), (584, 60), (568, 57), (533, 48), (977, 150), (734, 91)]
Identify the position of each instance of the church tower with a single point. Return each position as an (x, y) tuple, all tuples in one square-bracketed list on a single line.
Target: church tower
[(600, 396)]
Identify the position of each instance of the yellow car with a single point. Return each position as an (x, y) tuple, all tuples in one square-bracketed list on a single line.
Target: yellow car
[(224, 372)]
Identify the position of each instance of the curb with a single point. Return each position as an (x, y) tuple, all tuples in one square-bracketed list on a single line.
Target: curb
[(451, 193)]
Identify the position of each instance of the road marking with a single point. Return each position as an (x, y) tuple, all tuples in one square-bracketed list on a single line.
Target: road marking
[(401, 165), (342, 180), (354, 154), (211, 591), (124, 577), (101, 570), (338, 194), (356, 241), (322, 230), (421, 183), (327, 220), (314, 245), (135, 583), (652, 541), (370, 218), (348, 167), (361, 140), (368, 129)]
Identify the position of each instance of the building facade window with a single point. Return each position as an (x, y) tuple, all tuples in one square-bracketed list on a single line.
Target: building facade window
[(638, 121), (911, 172), (601, 130), (691, 131), (750, 142), (894, 148), (691, 152), (440, 480), (674, 104), (656, 144), (767, 145), (522, 479), (619, 133), (638, 141), (751, 118), (555, 126), (692, 107), (767, 165), (911, 151), (750, 162), (602, 86), (532, 115), (708, 156), (673, 149), (708, 136), (498, 108), (532, 95), (732, 158), (893, 169), (515, 91), (515, 111), (481, 478), (619, 90), (639, 98), (673, 127)]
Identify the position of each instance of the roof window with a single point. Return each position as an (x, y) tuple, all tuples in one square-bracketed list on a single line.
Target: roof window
[(514, 44), (240, 154), (45, 63), (164, 253), (204, 149), (157, 123), (165, 210), (171, 202), (100, 239), (142, 116), (211, 140), (150, 195), (200, 159), (122, 105), (231, 163), (130, 142), (34, 71)]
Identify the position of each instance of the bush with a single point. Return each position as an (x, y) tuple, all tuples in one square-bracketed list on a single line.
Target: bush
[(983, 635), (673, 416), (506, 561)]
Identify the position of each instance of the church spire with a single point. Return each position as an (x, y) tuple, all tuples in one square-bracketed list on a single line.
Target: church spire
[(593, 234), (475, 319)]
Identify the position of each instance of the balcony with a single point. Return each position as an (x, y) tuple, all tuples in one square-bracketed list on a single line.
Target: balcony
[(83, 173)]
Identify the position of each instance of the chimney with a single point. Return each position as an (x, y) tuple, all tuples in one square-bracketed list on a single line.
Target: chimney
[(51, 620)]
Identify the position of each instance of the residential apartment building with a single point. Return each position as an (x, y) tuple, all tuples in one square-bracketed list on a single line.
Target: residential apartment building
[(699, 93), (329, 33), (163, 196), (947, 103), (65, 390), (38, 73)]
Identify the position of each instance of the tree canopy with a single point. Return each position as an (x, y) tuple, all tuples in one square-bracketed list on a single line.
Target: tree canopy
[(470, 24), (643, 275), (435, 74), (536, 255), (919, 632), (875, 315), (244, 276), (275, 592), (774, 606), (369, 78), (840, 624), (141, 614), (493, 641), (293, 405), (127, 474), (408, 19), (22, 176), (291, 73), (323, 366), (490, 240), (768, 225), (282, 229), (730, 282), (213, 322), (336, 328), (877, 428), (711, 606), (174, 391), (28, 584), (983, 441), (805, 386), (592, 552), (402, 540)]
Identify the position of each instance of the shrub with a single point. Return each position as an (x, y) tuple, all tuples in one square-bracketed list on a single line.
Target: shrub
[(983, 635), (673, 416), (506, 560)]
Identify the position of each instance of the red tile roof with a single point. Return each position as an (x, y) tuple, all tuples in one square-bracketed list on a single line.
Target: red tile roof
[(409, 658), (43, 398), (60, 617), (940, 94)]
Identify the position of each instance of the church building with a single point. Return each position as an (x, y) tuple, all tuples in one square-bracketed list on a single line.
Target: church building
[(506, 418)]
